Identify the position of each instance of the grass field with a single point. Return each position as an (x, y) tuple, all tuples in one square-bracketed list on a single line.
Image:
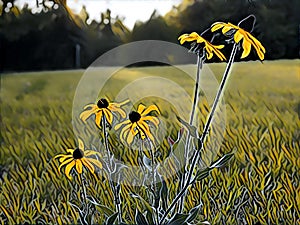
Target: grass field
[(260, 186)]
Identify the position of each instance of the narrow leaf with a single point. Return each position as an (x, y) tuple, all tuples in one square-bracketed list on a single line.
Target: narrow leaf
[(178, 219), (140, 218), (201, 174), (111, 220), (193, 213), (221, 162), (191, 129)]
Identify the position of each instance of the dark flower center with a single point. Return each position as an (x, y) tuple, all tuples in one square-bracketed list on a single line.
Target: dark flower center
[(78, 153), (134, 116), (102, 103)]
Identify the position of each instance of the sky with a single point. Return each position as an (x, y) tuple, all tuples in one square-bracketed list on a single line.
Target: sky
[(131, 10)]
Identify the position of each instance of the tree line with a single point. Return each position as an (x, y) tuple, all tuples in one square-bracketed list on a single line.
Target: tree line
[(55, 38)]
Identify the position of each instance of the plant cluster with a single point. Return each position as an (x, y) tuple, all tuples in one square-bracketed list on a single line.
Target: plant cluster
[(137, 133)]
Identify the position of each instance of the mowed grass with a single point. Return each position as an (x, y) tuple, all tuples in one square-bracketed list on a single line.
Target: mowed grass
[(261, 184)]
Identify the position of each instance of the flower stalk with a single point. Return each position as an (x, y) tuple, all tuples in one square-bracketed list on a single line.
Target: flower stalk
[(202, 139), (111, 183), (200, 61)]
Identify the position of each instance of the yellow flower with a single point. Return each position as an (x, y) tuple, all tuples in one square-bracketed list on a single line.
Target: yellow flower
[(103, 108), (78, 158), (239, 35), (137, 124), (209, 48)]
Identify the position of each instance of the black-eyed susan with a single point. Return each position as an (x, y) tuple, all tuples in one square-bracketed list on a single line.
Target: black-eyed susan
[(103, 108), (241, 34), (137, 124), (209, 48), (77, 158)]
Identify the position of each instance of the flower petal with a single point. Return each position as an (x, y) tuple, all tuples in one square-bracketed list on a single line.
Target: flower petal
[(80, 144), (226, 28), (67, 161), (68, 169), (141, 108), (95, 162), (260, 50), (115, 108), (152, 119), (131, 135), (150, 109), (108, 115), (91, 152), (70, 150), (98, 118), (125, 130), (78, 164), (238, 36), (217, 26), (86, 114), (65, 157), (88, 165), (117, 127), (246, 47)]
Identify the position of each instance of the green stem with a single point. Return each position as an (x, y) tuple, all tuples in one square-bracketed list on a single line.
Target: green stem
[(153, 175), (86, 209), (113, 187), (197, 155), (200, 61)]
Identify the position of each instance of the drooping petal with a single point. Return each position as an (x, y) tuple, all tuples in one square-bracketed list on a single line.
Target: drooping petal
[(98, 118), (131, 134), (238, 36), (246, 47), (209, 53), (65, 157), (88, 165), (78, 164), (67, 161), (70, 150), (108, 115), (95, 162), (226, 28), (188, 37), (219, 54), (86, 114), (152, 119), (118, 126), (91, 152), (260, 50), (144, 127), (150, 109), (124, 131), (120, 104), (80, 144), (68, 169), (114, 108), (217, 26), (90, 106), (59, 155)]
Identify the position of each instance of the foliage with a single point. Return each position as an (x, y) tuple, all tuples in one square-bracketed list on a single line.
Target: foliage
[(260, 185), (51, 35)]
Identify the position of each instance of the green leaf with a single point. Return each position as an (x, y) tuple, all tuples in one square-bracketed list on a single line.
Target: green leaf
[(221, 162), (191, 129), (193, 213), (163, 193), (179, 218), (104, 209), (143, 201), (140, 218), (201, 174), (111, 220)]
